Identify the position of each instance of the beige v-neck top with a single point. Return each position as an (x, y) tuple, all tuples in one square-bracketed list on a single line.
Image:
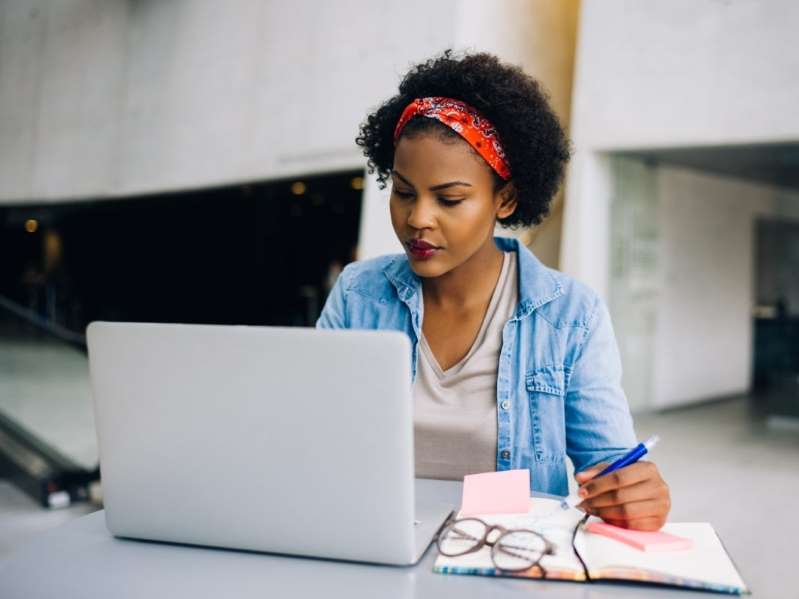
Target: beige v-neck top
[(455, 411)]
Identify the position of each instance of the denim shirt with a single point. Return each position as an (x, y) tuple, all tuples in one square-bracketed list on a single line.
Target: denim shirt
[(559, 374)]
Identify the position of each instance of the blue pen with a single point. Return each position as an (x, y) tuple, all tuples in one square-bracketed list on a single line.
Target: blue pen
[(635, 454)]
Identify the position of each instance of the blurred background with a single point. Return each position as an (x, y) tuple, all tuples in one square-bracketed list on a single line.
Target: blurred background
[(193, 161)]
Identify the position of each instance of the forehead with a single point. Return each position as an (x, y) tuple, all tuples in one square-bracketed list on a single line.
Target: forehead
[(428, 159)]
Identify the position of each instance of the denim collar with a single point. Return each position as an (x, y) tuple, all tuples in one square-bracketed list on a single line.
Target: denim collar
[(537, 285)]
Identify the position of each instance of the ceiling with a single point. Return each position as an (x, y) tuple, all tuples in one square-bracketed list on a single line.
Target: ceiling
[(776, 164)]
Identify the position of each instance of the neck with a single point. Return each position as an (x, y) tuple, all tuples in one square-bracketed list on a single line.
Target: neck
[(470, 284)]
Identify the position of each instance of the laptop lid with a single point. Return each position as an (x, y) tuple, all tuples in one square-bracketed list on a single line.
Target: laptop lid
[(285, 440)]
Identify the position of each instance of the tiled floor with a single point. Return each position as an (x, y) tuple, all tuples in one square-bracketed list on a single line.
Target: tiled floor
[(722, 465), (44, 387), (728, 468)]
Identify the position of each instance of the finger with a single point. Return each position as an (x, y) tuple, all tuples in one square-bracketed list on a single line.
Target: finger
[(624, 477), (647, 524), (635, 510), (637, 492), (589, 473)]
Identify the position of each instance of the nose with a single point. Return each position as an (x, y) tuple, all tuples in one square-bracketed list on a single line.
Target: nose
[(422, 214)]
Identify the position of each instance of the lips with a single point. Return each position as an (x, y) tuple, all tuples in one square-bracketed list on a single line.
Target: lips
[(419, 248), (421, 245)]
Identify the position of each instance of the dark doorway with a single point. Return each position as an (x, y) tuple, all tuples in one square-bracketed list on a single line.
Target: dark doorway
[(260, 254), (776, 352)]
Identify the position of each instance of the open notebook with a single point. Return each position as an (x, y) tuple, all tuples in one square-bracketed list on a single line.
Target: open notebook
[(705, 566)]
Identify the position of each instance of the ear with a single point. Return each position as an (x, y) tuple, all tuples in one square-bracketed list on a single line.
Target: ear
[(505, 200)]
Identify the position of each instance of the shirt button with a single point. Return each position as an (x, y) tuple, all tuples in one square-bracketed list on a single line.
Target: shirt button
[(505, 405), (505, 454)]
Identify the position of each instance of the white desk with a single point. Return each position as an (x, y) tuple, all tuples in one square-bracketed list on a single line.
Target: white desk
[(82, 560)]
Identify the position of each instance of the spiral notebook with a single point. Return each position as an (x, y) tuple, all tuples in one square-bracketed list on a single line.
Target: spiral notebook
[(706, 565)]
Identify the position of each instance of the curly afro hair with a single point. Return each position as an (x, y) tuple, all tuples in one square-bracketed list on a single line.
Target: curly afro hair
[(534, 142)]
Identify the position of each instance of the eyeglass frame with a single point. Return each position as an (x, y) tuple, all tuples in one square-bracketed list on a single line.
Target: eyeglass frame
[(549, 547)]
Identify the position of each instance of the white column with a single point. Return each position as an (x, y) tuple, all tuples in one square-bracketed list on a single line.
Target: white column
[(376, 236), (585, 242)]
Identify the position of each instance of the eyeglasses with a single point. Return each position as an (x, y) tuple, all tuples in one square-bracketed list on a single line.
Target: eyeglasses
[(512, 550)]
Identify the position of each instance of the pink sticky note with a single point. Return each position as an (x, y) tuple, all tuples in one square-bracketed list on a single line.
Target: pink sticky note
[(645, 541), (506, 492)]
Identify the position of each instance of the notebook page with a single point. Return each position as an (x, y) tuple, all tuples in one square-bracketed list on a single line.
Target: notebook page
[(706, 565), (544, 517)]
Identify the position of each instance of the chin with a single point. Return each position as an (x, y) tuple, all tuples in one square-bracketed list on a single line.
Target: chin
[(428, 269)]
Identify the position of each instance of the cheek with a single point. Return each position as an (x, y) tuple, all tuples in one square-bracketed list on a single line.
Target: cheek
[(397, 215), (399, 218), (469, 223)]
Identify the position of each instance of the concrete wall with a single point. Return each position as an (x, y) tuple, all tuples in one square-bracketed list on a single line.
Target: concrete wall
[(703, 343), (103, 98), (107, 98), (686, 72), (678, 74), (683, 278), (673, 74)]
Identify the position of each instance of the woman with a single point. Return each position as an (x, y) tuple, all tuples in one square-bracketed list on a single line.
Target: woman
[(514, 365)]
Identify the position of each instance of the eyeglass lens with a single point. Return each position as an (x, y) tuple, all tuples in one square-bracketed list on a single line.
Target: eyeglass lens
[(461, 537), (518, 550), (510, 550)]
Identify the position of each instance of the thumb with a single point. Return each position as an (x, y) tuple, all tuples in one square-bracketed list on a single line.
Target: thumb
[(589, 473)]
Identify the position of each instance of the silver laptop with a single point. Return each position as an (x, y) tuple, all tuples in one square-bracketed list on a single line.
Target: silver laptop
[(283, 440)]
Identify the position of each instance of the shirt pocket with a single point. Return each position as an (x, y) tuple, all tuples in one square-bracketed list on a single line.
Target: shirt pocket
[(546, 390)]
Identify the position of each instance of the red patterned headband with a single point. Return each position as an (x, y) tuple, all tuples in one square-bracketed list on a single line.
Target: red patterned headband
[(464, 120)]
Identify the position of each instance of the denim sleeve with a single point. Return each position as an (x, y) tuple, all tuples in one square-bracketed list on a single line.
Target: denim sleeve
[(599, 427), (334, 314)]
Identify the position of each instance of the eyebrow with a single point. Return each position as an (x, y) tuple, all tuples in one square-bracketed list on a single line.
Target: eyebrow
[(435, 187)]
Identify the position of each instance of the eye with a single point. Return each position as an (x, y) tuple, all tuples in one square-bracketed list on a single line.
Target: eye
[(449, 202), (402, 194)]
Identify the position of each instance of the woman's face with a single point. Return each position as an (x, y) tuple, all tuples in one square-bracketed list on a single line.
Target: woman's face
[(443, 203)]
